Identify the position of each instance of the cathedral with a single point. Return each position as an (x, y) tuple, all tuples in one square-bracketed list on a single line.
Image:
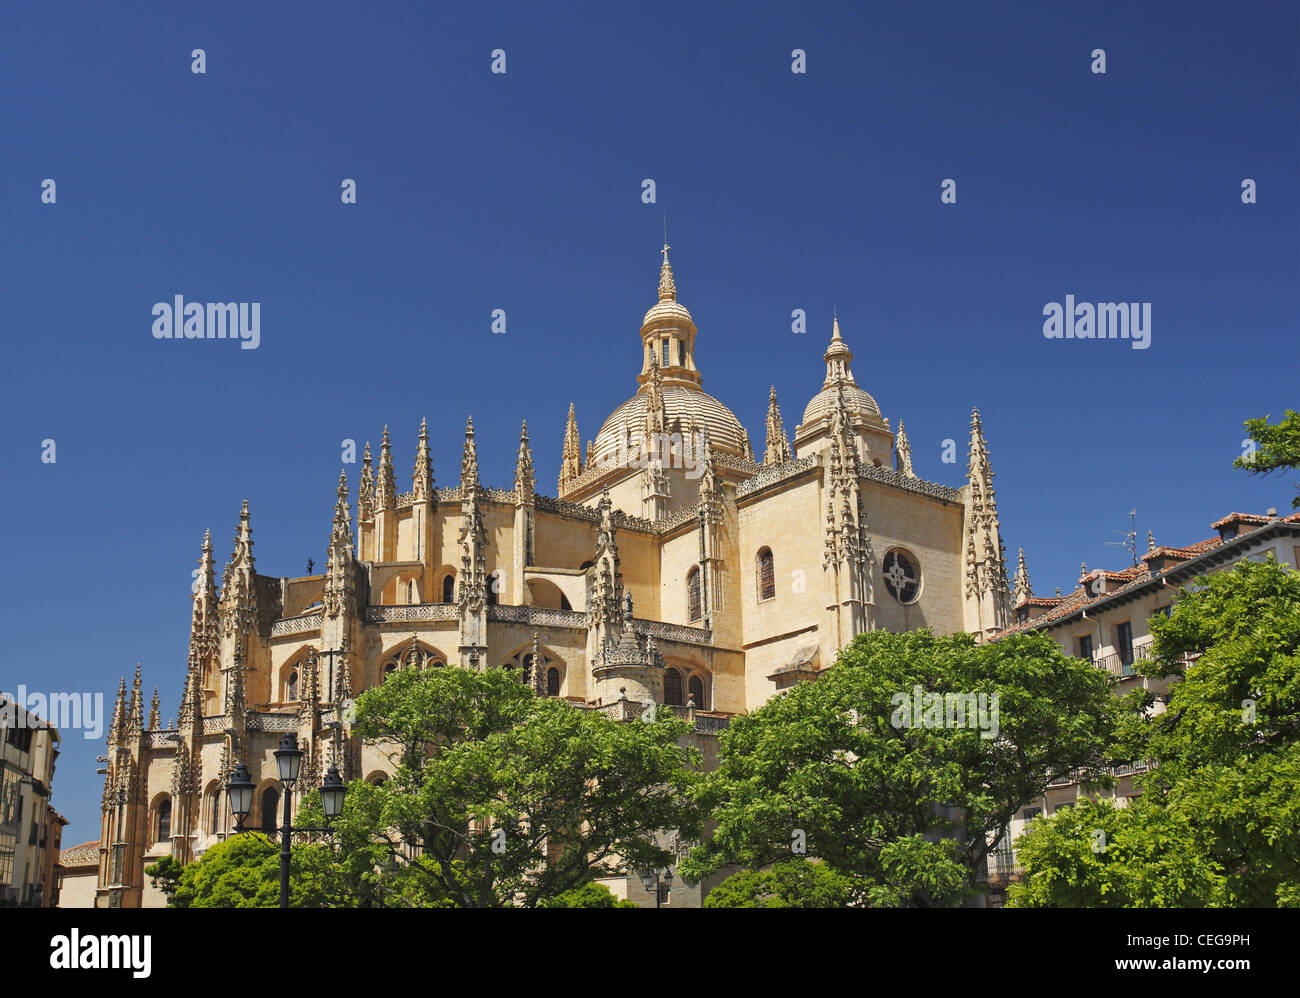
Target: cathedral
[(675, 565)]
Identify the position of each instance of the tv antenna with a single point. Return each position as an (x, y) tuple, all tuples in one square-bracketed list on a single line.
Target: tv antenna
[(1129, 543)]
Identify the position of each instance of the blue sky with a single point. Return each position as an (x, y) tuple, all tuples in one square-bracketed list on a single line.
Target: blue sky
[(523, 192)]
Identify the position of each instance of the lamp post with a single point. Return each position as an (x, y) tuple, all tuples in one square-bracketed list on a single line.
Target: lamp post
[(288, 760), (659, 884)]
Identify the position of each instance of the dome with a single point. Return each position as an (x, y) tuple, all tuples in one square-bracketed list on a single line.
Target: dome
[(856, 400), (681, 403), (839, 376), (668, 313)]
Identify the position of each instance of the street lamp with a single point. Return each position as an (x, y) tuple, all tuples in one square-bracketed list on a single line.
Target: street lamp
[(288, 761), (658, 884), (288, 757), (331, 793), (239, 788)]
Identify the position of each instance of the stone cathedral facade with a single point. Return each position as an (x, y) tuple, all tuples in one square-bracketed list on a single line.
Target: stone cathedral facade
[(675, 565)]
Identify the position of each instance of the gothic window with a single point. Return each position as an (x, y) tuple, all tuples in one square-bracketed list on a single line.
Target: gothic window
[(269, 800), (389, 669), (902, 576), (696, 689), (410, 593), (673, 688), (293, 686), (693, 610), (164, 820), (766, 575), (524, 661), (216, 812), (449, 589)]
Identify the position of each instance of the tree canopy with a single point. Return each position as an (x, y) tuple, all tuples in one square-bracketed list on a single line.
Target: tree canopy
[(1218, 819), (853, 772)]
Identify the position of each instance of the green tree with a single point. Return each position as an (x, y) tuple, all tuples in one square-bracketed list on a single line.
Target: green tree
[(791, 883), (591, 895), (236, 873), (165, 875), (508, 798), (1218, 821), (832, 768), (1277, 446)]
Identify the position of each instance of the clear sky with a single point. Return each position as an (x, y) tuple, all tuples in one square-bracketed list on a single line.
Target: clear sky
[(522, 191)]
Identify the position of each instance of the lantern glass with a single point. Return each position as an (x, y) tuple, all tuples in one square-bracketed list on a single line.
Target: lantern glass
[(240, 790), (647, 881), (332, 793), (288, 757)]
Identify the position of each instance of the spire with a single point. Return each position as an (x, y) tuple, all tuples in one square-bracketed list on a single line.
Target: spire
[(525, 480), (154, 722), (339, 581), (778, 444), (118, 727), (537, 676), (904, 452), (655, 427), (1021, 590), (422, 476), (469, 463), (366, 490), (667, 286), (986, 575), (135, 719), (239, 582), (571, 457), (386, 485), (704, 461)]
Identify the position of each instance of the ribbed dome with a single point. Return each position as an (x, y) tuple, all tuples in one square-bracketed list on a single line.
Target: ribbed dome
[(668, 312), (681, 403), (855, 399), (839, 375)]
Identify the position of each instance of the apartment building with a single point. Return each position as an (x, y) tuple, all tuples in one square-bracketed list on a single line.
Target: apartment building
[(30, 829)]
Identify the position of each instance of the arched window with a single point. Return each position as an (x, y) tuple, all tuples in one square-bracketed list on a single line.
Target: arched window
[(269, 800), (766, 575), (164, 820), (293, 686), (389, 669), (552, 682), (673, 688), (449, 589), (410, 593), (693, 611), (696, 689), (216, 812)]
